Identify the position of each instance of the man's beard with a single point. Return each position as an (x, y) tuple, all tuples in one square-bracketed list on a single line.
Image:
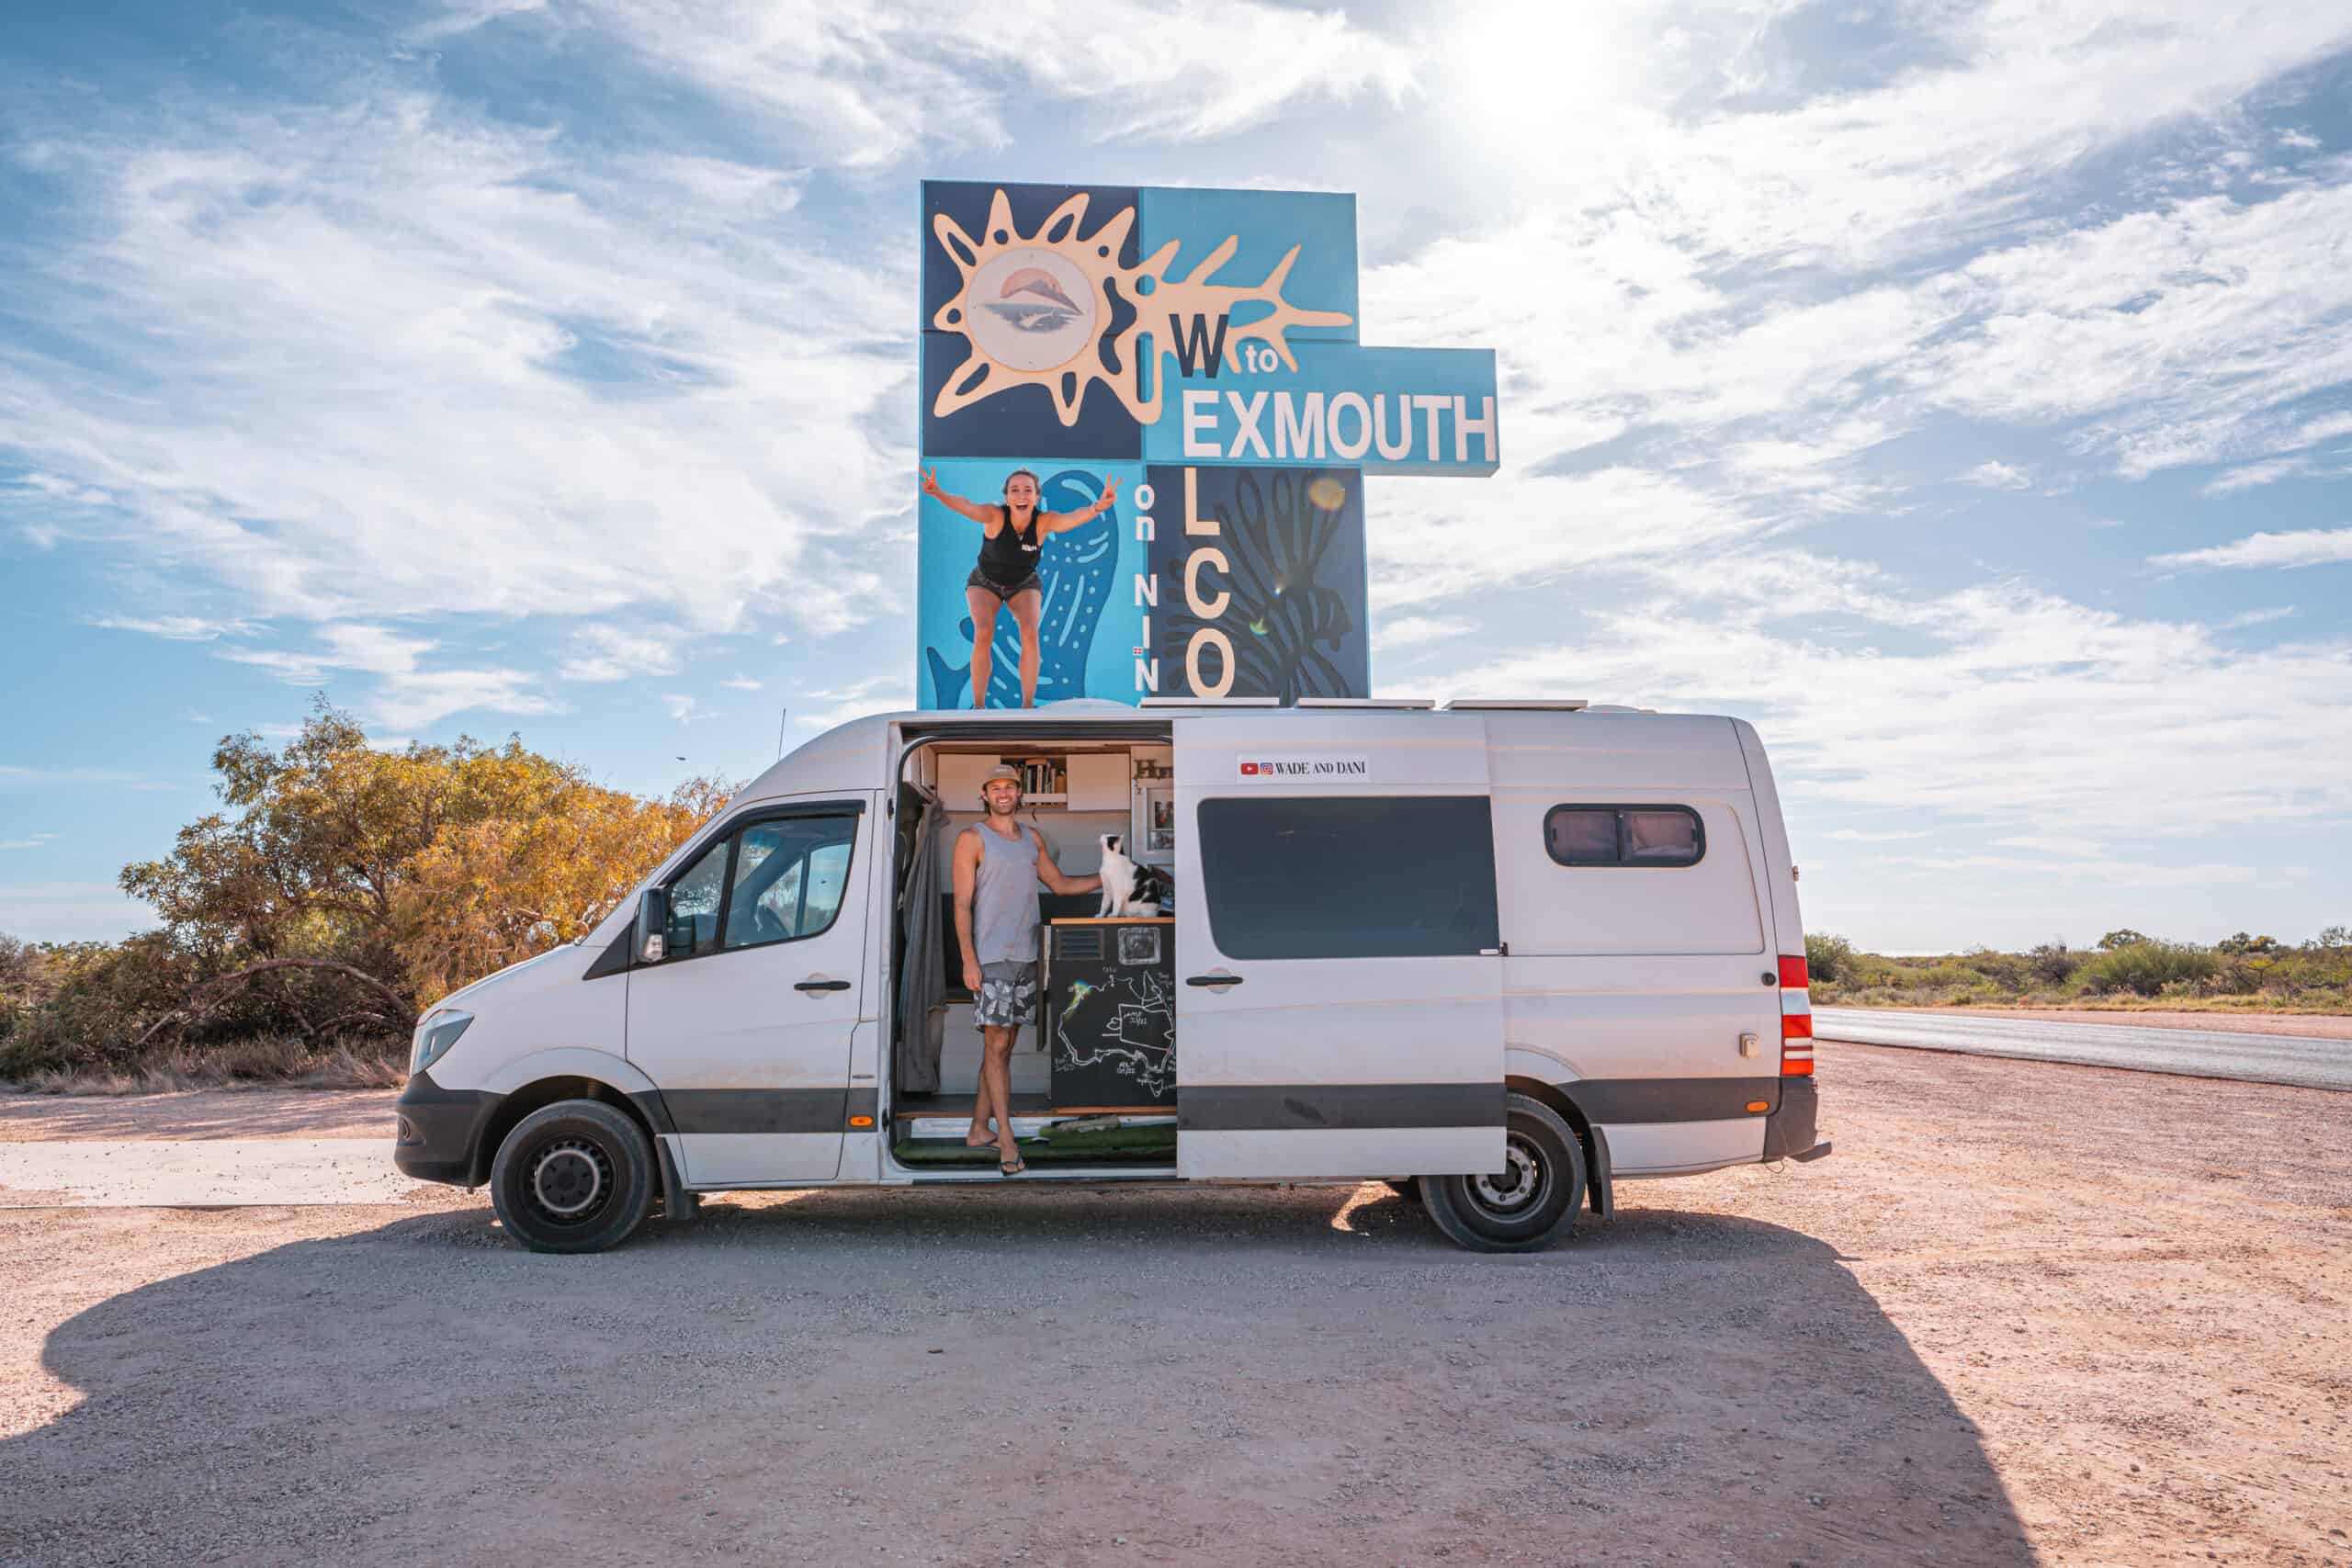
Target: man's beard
[(1007, 809)]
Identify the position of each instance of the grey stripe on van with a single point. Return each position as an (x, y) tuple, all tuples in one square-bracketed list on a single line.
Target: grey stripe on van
[(1618, 1101), (1261, 1108), (767, 1110)]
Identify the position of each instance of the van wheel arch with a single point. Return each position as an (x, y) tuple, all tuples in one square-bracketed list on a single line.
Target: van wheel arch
[(1600, 1193), (536, 1095)]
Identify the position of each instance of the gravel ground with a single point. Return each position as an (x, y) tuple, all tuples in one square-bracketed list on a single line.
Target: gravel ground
[(199, 1113), (2026, 1313)]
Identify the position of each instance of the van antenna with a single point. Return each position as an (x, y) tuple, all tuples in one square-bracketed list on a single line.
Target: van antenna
[(780, 711)]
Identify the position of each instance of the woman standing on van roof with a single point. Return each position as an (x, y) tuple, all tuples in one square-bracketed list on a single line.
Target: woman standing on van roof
[(1013, 538)]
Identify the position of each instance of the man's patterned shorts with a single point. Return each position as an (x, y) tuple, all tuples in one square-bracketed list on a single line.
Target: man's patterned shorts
[(1008, 996)]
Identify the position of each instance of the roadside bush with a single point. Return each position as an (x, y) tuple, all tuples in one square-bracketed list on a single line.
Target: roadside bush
[(1828, 959), (2008, 971), (2147, 967), (2053, 963)]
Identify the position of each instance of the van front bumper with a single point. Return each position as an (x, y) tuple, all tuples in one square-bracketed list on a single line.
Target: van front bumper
[(439, 1135), (1789, 1132)]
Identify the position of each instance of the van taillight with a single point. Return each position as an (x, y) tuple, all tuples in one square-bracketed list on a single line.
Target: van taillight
[(1795, 1028), (1792, 973)]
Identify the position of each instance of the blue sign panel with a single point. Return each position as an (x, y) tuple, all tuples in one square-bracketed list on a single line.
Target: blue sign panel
[(1261, 576), (1090, 622), (1145, 419), (1395, 411)]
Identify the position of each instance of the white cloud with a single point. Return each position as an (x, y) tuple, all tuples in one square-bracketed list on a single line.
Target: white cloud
[(177, 628), (2255, 475), (686, 709), (2302, 547), (740, 684), (1998, 704), (2180, 329), (405, 695), (882, 694), (866, 88), (1412, 631), (15, 774), (616, 655), (1997, 476), (34, 842), (388, 377)]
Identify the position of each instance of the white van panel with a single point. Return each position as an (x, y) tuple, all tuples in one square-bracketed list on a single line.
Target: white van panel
[(1681, 1148), (752, 1069), (1615, 751), (1395, 1151), (1549, 908), (1780, 877), (1330, 1066)]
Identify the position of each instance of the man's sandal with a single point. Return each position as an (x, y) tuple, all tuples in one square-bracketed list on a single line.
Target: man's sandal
[(1014, 1167)]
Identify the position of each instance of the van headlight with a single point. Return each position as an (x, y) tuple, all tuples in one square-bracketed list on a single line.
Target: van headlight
[(435, 1035)]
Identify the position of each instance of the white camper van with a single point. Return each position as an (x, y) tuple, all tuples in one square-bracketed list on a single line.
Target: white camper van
[(1503, 954)]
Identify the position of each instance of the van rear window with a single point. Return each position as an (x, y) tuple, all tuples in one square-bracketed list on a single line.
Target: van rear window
[(1408, 877), (1624, 835)]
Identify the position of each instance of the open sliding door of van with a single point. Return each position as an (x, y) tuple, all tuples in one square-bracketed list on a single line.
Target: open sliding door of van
[(1339, 1007)]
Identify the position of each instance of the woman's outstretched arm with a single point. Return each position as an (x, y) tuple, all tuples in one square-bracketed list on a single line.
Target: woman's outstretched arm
[(1062, 521), (954, 502)]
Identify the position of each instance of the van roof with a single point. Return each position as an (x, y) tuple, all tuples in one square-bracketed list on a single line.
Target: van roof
[(852, 755)]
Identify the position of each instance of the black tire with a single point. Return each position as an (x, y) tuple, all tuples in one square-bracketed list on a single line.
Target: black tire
[(1409, 1188), (576, 1175), (1534, 1197)]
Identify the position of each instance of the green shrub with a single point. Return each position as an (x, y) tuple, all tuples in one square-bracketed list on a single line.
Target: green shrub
[(2009, 971), (2146, 968), (1828, 958), (2053, 963)]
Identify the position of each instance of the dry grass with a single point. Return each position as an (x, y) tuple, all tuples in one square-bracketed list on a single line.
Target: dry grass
[(272, 1062)]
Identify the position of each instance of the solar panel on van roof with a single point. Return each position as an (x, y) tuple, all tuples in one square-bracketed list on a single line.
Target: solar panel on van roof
[(1532, 704)]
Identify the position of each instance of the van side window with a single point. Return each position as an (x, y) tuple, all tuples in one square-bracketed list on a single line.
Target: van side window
[(1624, 835), (694, 905), (789, 875), (1354, 876)]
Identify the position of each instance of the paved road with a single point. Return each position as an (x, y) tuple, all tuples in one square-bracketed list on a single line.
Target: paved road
[(2200, 1053)]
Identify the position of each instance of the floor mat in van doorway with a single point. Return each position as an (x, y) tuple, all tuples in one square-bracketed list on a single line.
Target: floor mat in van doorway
[(1153, 1143)]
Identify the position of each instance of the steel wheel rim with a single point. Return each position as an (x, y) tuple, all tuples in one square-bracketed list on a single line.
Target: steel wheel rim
[(1520, 1188), (571, 1181)]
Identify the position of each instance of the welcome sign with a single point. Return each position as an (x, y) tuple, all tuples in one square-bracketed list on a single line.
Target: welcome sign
[(1178, 375)]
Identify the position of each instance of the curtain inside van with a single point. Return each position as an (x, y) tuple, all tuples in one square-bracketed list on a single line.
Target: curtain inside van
[(922, 984)]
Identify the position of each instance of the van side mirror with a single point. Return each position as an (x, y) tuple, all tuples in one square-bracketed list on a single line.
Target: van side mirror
[(652, 921)]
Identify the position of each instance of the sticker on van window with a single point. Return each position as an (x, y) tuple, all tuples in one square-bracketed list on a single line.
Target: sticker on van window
[(1293, 767)]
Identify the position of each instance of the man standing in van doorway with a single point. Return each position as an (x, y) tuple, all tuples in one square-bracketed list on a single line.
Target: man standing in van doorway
[(999, 864)]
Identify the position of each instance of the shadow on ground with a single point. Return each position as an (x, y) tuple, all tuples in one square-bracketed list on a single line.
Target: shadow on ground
[(1042, 1376)]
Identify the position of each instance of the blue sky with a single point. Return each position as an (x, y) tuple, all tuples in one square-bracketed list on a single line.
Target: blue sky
[(1961, 392)]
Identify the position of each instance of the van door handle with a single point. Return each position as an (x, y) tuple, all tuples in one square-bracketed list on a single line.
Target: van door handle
[(1216, 980), (820, 985)]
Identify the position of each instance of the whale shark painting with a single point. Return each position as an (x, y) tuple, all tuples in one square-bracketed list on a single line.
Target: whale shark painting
[(1080, 570)]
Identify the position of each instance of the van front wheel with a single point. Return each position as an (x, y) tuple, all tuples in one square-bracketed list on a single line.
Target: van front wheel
[(576, 1175), (1518, 1208)]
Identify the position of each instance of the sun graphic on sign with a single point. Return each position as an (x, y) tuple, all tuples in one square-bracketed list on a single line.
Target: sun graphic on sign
[(1034, 309)]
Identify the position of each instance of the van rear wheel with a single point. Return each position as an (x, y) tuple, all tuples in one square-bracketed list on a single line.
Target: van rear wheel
[(576, 1175), (1518, 1208)]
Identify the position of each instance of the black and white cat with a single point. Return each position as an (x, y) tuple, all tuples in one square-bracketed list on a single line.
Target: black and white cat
[(1128, 888)]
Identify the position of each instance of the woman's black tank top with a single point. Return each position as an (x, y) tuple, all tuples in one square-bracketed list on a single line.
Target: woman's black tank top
[(1009, 556)]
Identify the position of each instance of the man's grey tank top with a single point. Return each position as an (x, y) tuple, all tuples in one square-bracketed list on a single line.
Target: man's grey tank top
[(1004, 898)]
